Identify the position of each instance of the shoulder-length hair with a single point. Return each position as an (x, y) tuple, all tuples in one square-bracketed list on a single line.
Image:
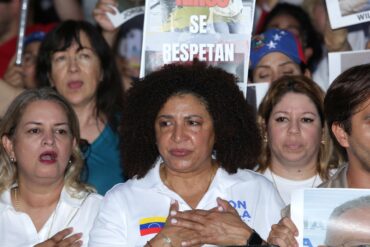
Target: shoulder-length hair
[(109, 94), (237, 140), (8, 127), (302, 85)]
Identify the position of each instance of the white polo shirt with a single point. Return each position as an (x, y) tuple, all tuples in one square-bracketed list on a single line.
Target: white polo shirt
[(18, 230), (144, 203)]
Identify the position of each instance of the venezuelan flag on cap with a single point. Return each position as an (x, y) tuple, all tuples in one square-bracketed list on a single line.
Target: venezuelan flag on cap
[(151, 225)]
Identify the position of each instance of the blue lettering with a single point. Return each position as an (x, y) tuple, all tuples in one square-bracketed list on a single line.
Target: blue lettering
[(232, 203), (238, 204), (242, 204), (307, 242), (246, 214)]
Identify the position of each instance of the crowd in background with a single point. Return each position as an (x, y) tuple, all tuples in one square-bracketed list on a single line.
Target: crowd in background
[(77, 94)]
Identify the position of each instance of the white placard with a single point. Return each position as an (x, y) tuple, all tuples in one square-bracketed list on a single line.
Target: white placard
[(217, 32), (347, 12), (341, 61), (311, 211)]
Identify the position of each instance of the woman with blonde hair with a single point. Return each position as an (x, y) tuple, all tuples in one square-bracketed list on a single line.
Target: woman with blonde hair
[(296, 149), (41, 195)]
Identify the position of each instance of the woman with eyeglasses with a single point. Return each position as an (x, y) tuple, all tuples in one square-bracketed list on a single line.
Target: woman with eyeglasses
[(76, 60)]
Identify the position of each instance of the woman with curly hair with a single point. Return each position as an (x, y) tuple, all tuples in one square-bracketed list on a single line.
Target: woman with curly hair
[(41, 195), (188, 137)]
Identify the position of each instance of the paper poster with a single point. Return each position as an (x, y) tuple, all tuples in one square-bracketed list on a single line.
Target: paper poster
[(341, 61), (332, 217), (347, 12), (256, 92), (215, 31)]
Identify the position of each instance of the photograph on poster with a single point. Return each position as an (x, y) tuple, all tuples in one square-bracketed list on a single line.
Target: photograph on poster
[(347, 12), (217, 32), (341, 61), (332, 217), (223, 16), (348, 7)]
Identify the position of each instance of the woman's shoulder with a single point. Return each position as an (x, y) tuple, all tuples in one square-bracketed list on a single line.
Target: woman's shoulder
[(252, 178), (252, 175), (121, 189)]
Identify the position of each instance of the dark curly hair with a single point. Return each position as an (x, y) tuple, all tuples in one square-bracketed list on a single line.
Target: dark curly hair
[(109, 94), (237, 139)]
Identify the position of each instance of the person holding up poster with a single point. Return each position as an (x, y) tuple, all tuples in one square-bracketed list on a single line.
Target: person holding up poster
[(347, 109)]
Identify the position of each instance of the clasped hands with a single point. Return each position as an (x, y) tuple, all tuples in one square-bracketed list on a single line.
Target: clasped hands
[(221, 225)]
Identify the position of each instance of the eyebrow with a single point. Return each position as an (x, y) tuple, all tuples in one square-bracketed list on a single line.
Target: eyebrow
[(171, 116), (262, 66), (286, 63), (306, 112), (39, 123)]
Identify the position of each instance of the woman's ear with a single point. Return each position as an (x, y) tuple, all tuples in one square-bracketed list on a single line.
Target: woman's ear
[(340, 134), (8, 145)]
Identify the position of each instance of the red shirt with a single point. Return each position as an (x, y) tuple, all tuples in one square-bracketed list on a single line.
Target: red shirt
[(8, 49)]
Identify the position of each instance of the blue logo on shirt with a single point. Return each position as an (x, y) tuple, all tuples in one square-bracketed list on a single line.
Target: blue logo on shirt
[(241, 207), (307, 242)]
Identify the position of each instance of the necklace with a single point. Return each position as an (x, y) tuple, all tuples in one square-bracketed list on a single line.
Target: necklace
[(212, 175), (277, 189), (17, 207)]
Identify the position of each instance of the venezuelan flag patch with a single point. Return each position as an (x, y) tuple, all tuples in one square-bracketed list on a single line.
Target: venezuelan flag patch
[(151, 225)]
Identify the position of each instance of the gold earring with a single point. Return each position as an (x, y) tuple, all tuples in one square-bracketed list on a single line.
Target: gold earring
[(265, 140)]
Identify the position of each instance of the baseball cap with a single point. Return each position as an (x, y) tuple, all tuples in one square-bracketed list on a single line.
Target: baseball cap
[(34, 36), (276, 40)]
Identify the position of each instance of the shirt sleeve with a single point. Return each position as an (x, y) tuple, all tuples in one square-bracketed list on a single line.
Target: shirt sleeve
[(110, 226)]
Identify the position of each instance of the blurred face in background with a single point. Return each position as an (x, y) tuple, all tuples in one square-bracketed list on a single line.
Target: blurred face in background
[(6, 18), (76, 72), (29, 64), (273, 66)]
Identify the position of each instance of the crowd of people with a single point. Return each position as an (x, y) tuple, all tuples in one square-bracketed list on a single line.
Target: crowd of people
[(93, 155)]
